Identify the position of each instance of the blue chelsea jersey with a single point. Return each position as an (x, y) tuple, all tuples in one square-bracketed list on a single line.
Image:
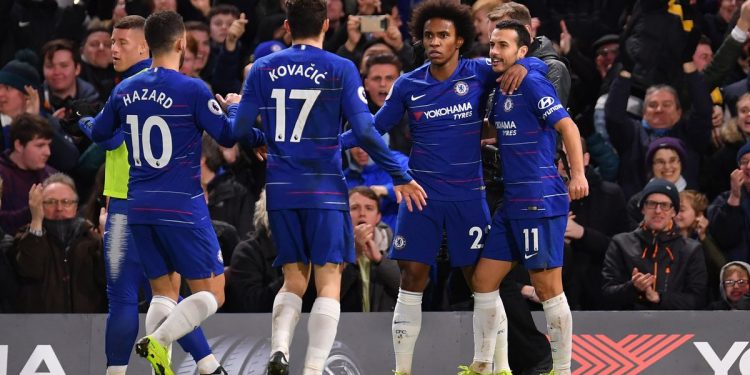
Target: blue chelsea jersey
[(303, 95), (163, 114), (527, 140), (445, 121)]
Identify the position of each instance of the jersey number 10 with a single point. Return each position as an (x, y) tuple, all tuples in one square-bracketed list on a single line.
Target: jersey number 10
[(309, 96), (166, 139)]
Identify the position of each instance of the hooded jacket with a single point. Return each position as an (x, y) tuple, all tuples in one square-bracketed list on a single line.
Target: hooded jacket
[(677, 263), (724, 303)]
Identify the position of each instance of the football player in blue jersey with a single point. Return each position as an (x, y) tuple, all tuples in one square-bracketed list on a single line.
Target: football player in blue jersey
[(530, 225), (302, 95), (444, 100), (125, 276), (163, 114)]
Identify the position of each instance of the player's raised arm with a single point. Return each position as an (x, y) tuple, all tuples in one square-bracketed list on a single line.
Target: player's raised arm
[(578, 187), (212, 119), (244, 120), (387, 117), (106, 123)]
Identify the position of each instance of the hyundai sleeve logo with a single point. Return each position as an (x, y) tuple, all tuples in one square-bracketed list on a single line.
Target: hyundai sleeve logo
[(545, 102)]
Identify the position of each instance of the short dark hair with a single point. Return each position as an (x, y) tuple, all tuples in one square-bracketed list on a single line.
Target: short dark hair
[(380, 59), (306, 17), (131, 22), (523, 38), (92, 30), (366, 192), (49, 49), (197, 26), (450, 10), (223, 9), (28, 126), (162, 30), (512, 10)]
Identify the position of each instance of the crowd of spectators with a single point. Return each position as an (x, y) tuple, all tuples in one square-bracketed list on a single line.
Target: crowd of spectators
[(659, 90)]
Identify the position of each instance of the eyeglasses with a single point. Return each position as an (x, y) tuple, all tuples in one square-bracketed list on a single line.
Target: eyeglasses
[(651, 205), (735, 283), (66, 203)]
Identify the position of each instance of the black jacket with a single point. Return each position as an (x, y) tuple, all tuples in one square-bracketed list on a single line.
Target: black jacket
[(585, 256), (730, 226), (557, 73), (231, 202), (676, 262)]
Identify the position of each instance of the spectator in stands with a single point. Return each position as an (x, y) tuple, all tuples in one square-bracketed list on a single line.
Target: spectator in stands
[(62, 85), (662, 116), (228, 200), (587, 235), (225, 62), (58, 256), (336, 34), (363, 171), (96, 60), (692, 223), (22, 167), (734, 134), (665, 159), (734, 287), (19, 83), (356, 40), (200, 32), (189, 57), (379, 276), (717, 24), (653, 267), (541, 47), (252, 281), (729, 213), (380, 72), (479, 12)]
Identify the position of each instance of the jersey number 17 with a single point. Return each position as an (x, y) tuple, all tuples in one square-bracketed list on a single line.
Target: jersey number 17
[(309, 96)]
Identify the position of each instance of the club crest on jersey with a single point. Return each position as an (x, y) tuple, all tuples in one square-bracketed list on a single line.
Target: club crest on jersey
[(461, 88), (214, 107), (508, 105), (399, 242)]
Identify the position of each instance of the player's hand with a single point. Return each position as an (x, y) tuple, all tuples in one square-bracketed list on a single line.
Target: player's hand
[(578, 187), (36, 205), (102, 220), (231, 98), (488, 141), (512, 78), (573, 230), (412, 193), (32, 100), (565, 39), (261, 153), (235, 32)]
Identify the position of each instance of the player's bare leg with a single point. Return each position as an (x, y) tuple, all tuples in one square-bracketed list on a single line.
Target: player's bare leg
[(490, 321), (407, 316), (324, 317), (287, 307), (548, 285)]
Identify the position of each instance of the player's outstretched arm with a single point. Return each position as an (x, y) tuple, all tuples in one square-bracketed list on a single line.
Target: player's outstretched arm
[(578, 187), (244, 120), (106, 123), (412, 193), (86, 124)]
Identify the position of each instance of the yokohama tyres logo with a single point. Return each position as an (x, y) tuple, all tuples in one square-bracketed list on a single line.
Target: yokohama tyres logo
[(598, 354)]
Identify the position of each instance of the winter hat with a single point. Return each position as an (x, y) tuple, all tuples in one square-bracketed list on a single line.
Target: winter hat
[(665, 142), (18, 74), (744, 150), (267, 48), (661, 186)]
